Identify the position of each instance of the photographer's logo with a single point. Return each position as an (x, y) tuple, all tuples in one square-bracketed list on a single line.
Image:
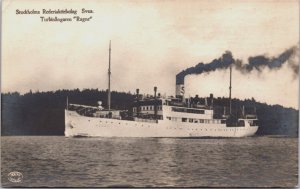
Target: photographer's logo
[(15, 176)]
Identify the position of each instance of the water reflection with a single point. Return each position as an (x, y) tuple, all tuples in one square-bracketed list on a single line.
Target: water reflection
[(140, 162)]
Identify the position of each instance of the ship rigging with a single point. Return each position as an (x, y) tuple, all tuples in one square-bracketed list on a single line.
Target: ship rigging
[(157, 116)]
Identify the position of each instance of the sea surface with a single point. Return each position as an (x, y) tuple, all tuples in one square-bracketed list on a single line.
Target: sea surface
[(56, 161)]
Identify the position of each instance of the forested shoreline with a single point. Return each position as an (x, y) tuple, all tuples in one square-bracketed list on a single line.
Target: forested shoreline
[(42, 113)]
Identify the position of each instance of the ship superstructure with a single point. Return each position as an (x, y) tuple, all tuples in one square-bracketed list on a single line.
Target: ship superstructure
[(157, 116)]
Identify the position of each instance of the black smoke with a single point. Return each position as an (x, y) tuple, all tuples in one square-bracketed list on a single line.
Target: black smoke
[(257, 63), (221, 63), (261, 62)]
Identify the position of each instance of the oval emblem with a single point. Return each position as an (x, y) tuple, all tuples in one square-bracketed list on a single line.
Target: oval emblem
[(15, 176)]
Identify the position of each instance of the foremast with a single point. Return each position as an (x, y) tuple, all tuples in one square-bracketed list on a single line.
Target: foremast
[(109, 74)]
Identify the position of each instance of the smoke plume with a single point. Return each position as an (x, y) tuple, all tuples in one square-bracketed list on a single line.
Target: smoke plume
[(222, 63), (257, 63)]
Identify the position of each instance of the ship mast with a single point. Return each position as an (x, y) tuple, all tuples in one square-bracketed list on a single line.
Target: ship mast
[(230, 91), (109, 73)]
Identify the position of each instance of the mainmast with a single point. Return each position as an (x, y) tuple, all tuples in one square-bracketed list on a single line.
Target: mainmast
[(109, 73), (230, 91)]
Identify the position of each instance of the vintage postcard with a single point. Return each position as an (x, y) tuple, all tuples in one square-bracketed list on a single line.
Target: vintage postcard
[(141, 93)]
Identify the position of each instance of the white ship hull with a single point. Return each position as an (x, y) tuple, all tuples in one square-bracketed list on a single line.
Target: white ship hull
[(78, 125)]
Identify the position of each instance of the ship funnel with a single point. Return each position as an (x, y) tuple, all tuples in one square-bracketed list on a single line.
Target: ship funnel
[(137, 93), (179, 90), (211, 98)]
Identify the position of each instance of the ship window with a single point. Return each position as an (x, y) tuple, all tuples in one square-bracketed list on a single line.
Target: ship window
[(223, 121), (254, 123), (201, 121), (241, 123), (195, 121), (191, 120), (194, 111), (184, 119), (169, 118)]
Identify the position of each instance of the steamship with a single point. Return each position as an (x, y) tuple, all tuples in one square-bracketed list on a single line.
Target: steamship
[(158, 116)]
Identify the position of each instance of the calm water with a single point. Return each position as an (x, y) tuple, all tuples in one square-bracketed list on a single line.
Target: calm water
[(102, 162)]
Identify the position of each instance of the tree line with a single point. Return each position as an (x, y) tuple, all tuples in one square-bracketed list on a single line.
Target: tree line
[(42, 113)]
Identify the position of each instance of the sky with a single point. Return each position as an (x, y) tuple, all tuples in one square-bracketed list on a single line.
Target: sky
[(151, 42)]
